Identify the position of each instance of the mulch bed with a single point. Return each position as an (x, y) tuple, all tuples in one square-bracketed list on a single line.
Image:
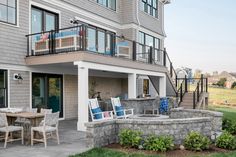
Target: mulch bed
[(172, 153)]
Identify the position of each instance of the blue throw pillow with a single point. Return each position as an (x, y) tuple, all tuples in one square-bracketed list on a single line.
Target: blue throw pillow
[(119, 111), (97, 110)]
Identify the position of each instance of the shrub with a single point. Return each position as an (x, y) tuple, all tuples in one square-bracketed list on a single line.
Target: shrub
[(226, 141), (196, 142), (130, 138), (158, 143), (229, 126)]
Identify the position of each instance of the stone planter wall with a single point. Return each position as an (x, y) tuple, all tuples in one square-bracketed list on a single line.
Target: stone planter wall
[(106, 132)]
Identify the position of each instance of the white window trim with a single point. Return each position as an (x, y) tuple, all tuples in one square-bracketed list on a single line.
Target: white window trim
[(31, 3), (145, 13), (17, 17), (115, 11)]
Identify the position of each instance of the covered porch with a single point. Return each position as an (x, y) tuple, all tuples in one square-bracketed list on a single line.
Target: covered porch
[(114, 77), (129, 84)]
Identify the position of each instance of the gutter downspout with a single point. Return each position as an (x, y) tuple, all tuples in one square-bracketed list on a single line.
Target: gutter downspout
[(137, 18)]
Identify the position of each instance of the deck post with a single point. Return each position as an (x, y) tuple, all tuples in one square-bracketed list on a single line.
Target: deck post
[(83, 85), (162, 86), (132, 94)]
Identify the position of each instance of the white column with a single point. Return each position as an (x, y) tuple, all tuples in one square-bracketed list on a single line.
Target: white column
[(132, 86), (162, 86), (83, 96)]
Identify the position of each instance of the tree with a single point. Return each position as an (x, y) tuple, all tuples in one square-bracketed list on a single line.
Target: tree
[(221, 82), (233, 85)]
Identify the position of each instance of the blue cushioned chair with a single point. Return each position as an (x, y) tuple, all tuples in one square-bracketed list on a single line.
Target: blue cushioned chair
[(96, 113), (119, 111)]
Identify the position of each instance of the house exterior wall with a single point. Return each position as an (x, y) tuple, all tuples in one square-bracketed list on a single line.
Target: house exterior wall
[(71, 96), (19, 92), (109, 87), (13, 43)]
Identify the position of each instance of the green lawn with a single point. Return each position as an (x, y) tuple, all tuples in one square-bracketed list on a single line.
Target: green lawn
[(229, 113), (102, 152), (220, 96)]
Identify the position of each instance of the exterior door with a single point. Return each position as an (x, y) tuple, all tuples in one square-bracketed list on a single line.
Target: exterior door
[(3, 88), (47, 92)]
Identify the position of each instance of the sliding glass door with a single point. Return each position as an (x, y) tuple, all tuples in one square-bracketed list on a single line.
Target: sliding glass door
[(47, 92), (3, 88)]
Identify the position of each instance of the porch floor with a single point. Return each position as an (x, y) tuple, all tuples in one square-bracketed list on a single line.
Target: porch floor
[(72, 142)]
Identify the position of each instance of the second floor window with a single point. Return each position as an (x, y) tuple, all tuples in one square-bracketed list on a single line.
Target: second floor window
[(8, 11), (150, 7), (108, 3), (42, 20)]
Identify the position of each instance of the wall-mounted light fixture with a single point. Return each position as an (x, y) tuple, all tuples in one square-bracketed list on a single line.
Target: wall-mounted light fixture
[(18, 77)]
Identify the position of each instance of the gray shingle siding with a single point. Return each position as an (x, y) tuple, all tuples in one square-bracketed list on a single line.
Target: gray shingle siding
[(13, 43)]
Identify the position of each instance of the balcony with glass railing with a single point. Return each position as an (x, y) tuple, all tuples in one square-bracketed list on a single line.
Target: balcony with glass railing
[(84, 38)]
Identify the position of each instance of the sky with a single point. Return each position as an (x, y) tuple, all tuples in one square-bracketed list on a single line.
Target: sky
[(201, 34)]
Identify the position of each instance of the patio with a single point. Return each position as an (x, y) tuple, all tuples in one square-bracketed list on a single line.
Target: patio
[(72, 142)]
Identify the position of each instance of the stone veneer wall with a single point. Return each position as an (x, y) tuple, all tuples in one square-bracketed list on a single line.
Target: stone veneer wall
[(140, 104), (109, 87), (216, 117), (106, 132)]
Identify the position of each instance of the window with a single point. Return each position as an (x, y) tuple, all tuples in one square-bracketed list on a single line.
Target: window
[(8, 11), (108, 3), (42, 20), (146, 41), (145, 86), (99, 40), (150, 7), (3, 88)]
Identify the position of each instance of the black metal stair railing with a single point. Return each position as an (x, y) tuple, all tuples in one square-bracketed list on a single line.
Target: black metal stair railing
[(201, 87)]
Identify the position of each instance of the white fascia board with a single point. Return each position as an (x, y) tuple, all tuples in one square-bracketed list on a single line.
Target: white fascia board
[(96, 66)]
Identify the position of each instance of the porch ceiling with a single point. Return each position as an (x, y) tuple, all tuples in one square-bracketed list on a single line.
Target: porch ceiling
[(68, 58)]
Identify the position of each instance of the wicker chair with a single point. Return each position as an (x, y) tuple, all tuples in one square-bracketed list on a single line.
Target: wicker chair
[(46, 111), (50, 126), (4, 128)]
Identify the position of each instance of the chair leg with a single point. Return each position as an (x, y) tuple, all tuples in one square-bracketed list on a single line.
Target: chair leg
[(45, 139), (11, 136), (32, 137), (58, 141), (22, 136), (6, 139)]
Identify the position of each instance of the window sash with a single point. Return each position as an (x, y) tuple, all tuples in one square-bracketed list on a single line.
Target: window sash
[(111, 4), (7, 10), (150, 7)]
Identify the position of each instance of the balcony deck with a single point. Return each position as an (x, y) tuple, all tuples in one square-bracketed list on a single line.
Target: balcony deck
[(93, 58)]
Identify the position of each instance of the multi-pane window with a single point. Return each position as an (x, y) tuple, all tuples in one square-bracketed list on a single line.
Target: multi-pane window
[(99, 40), (8, 11), (42, 20), (149, 40), (108, 3), (150, 7), (146, 41)]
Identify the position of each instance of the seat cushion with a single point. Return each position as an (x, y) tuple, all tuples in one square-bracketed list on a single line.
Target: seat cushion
[(119, 111), (97, 110), (41, 128), (11, 128)]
